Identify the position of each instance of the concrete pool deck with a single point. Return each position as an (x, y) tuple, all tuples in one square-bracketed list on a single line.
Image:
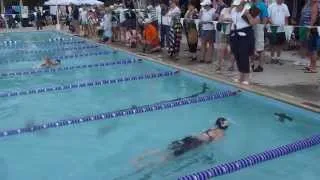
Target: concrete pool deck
[(287, 82)]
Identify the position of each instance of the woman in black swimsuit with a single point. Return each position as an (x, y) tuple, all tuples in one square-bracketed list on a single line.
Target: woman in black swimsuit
[(191, 142), (179, 147)]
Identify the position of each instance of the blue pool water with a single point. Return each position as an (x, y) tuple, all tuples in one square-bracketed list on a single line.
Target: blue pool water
[(109, 149)]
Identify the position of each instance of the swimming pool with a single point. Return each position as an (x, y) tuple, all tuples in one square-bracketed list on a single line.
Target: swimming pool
[(108, 149)]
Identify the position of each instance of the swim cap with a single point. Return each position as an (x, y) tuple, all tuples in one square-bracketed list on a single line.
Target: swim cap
[(222, 123), (59, 61)]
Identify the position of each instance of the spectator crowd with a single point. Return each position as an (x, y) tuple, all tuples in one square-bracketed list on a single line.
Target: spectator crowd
[(238, 30)]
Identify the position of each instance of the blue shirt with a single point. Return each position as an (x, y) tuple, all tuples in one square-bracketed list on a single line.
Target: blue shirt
[(263, 10)]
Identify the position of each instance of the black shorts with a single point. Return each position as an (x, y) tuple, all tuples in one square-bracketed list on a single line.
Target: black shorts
[(277, 39), (184, 145)]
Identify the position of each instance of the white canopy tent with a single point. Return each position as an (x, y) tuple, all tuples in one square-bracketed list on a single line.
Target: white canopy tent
[(68, 2), (61, 2), (75, 2), (91, 2)]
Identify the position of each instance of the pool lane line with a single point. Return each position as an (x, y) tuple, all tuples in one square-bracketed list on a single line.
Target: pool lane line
[(121, 113), (254, 159), (48, 41), (19, 51), (22, 45), (87, 84), (66, 57), (69, 68)]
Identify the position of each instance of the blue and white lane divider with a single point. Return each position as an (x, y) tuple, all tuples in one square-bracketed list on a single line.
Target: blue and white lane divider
[(69, 68), (22, 45), (66, 57), (58, 39), (87, 84), (50, 40), (22, 51), (120, 113), (255, 159)]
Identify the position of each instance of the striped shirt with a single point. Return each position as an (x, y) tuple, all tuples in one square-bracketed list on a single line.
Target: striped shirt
[(153, 14), (305, 19)]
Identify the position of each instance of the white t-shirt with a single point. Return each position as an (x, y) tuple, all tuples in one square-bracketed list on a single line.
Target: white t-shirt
[(225, 13), (158, 13), (237, 20), (84, 16), (175, 12), (122, 17), (207, 16), (278, 14), (107, 21)]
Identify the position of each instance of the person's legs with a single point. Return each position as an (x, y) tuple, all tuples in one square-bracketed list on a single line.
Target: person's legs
[(258, 61), (203, 50), (232, 62), (312, 49), (162, 36), (244, 62), (86, 30), (122, 33), (280, 44), (208, 55), (167, 30), (128, 37), (213, 41), (234, 45), (222, 53), (313, 61), (41, 24), (272, 51), (204, 45), (279, 50)]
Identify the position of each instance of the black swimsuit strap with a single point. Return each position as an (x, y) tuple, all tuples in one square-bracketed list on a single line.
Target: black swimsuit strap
[(207, 132)]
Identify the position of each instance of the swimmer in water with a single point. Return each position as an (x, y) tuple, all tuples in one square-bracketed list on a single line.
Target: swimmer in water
[(188, 143), (282, 117), (48, 63), (180, 147)]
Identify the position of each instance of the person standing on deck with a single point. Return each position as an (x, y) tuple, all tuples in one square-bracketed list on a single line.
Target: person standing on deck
[(278, 18), (258, 60), (207, 32), (38, 19), (223, 30), (75, 19), (310, 17), (175, 33), (242, 38), (191, 29)]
